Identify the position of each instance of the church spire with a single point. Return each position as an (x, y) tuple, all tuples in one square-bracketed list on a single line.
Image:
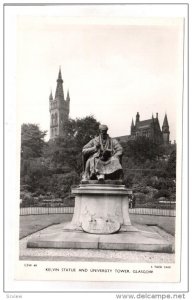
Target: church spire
[(51, 96), (165, 123), (59, 94), (60, 76), (68, 97), (165, 130), (132, 126)]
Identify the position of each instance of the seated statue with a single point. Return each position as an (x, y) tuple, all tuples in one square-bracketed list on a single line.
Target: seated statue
[(102, 158)]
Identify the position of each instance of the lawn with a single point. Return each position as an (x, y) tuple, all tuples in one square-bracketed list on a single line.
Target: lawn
[(33, 223), (166, 223)]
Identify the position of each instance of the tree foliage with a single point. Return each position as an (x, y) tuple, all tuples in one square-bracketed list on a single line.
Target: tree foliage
[(54, 166), (65, 152), (32, 144), (32, 141), (171, 165), (142, 149)]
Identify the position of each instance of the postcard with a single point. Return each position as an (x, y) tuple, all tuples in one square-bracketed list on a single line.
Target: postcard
[(96, 124)]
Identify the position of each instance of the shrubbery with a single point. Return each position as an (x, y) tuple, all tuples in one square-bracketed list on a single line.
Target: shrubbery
[(55, 166)]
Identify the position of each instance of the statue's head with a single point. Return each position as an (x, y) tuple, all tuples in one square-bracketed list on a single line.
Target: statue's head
[(103, 130)]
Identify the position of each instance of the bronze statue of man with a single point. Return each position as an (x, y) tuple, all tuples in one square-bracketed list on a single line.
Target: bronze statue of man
[(102, 156)]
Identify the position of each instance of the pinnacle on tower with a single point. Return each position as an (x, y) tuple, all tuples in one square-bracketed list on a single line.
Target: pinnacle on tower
[(59, 94), (68, 97), (59, 75), (137, 117), (165, 122), (132, 126), (165, 130), (51, 96)]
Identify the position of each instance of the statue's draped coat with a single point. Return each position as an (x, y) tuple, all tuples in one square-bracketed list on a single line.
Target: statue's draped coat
[(92, 156)]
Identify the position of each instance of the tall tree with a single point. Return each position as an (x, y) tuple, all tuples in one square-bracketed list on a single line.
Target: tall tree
[(32, 141)]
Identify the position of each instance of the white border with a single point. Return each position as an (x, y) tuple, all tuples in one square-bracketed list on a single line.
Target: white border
[(10, 172)]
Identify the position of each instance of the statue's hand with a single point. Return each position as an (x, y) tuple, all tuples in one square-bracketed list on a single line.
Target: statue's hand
[(106, 155), (102, 158), (98, 146)]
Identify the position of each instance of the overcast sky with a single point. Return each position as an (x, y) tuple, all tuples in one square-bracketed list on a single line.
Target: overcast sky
[(112, 71)]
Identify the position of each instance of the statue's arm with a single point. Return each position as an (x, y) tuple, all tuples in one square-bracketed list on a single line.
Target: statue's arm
[(89, 148)]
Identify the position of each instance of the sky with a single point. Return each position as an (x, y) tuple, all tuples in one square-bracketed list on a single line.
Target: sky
[(112, 70)]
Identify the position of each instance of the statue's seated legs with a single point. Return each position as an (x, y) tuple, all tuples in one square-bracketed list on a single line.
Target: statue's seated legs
[(117, 175), (87, 175)]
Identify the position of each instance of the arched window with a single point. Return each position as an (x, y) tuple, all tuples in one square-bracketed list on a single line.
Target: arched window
[(56, 121), (52, 119)]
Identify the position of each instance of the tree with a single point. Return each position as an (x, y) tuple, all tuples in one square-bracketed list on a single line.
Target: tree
[(62, 158), (32, 141), (142, 149), (171, 165), (81, 130)]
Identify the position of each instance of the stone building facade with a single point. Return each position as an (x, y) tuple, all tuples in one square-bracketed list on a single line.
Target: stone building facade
[(149, 128), (58, 108)]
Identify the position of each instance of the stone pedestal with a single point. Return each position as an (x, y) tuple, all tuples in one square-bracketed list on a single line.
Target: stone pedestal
[(100, 221), (101, 208)]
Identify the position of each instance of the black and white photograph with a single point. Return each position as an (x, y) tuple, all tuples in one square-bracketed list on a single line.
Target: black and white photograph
[(99, 94)]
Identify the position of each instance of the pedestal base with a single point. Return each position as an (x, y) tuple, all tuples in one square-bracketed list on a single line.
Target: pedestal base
[(133, 240), (100, 208), (100, 221)]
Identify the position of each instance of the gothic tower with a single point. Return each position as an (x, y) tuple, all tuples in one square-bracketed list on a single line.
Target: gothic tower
[(165, 130), (58, 108)]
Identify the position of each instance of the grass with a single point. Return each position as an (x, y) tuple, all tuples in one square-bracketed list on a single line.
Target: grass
[(166, 223), (33, 223)]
